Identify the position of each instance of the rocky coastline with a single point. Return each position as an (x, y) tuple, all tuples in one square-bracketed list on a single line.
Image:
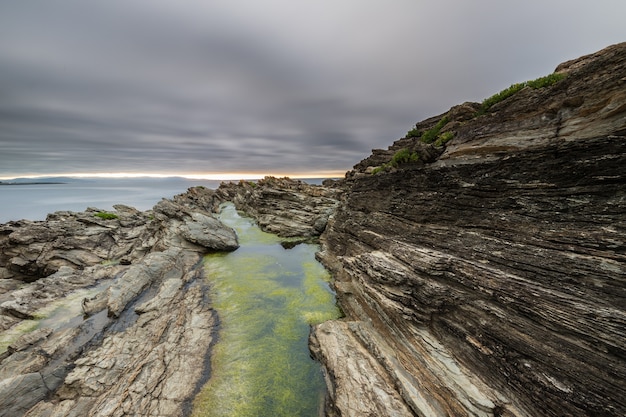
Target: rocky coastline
[(488, 277), (481, 273), (142, 347), (141, 343), (285, 207)]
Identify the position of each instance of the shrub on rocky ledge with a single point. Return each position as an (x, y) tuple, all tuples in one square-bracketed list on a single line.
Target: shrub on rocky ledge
[(403, 156), (431, 134), (540, 82), (414, 133), (106, 216), (443, 138)]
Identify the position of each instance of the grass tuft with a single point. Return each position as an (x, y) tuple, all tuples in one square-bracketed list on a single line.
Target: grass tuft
[(431, 134), (540, 82), (106, 216), (403, 156)]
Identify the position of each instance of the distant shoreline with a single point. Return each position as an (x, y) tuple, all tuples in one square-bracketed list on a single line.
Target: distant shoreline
[(30, 183)]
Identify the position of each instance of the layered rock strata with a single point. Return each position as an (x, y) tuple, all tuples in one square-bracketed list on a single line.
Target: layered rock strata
[(481, 273), (142, 346), (488, 278), (283, 206)]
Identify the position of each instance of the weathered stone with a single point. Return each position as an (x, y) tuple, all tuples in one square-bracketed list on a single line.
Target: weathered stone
[(29, 339), (286, 207), (210, 233), (148, 369), (492, 280), (19, 393), (352, 369), (146, 365), (139, 276)]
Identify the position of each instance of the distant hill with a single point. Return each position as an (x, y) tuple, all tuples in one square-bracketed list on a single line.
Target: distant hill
[(42, 180)]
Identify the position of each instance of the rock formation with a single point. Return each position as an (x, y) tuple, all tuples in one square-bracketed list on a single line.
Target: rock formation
[(480, 264), (148, 328), (486, 275), (283, 206)]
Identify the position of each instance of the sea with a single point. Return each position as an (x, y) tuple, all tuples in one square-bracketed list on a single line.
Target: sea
[(33, 199)]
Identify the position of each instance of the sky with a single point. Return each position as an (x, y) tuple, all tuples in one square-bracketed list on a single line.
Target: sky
[(207, 87)]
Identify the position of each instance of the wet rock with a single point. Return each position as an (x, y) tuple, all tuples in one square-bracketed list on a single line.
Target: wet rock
[(95, 304), (145, 370), (29, 340)]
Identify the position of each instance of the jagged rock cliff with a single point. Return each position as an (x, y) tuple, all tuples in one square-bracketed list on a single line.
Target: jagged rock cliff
[(486, 275)]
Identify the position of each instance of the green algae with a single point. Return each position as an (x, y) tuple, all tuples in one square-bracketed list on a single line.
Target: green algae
[(59, 314), (267, 297), (11, 335)]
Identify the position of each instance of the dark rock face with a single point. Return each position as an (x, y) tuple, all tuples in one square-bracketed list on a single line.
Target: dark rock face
[(142, 346), (491, 282), (283, 206)]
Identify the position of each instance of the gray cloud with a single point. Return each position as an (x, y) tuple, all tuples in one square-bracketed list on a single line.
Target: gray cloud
[(196, 86)]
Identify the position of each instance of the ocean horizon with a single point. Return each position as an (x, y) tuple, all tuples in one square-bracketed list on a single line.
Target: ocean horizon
[(34, 199)]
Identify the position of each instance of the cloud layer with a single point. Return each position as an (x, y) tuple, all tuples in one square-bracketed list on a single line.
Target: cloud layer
[(273, 86)]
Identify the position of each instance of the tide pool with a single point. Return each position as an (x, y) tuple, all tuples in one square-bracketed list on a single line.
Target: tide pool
[(266, 297)]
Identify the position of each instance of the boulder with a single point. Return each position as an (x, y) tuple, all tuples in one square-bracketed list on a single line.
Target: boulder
[(209, 233)]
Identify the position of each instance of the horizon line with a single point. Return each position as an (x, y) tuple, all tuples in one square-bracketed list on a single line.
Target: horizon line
[(234, 176)]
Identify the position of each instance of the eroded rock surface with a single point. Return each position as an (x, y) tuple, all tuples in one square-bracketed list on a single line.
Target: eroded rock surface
[(489, 277), (283, 206), (142, 346)]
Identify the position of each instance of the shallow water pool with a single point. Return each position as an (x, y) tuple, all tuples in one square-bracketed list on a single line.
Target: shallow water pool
[(266, 297)]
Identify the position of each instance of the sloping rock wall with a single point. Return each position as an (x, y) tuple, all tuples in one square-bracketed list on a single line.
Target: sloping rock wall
[(492, 280)]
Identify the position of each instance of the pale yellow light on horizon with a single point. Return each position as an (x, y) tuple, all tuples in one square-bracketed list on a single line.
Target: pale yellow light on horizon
[(233, 176)]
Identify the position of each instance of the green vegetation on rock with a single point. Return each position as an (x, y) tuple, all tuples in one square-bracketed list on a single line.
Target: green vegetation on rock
[(431, 134), (444, 138), (414, 133), (106, 216), (403, 156), (541, 82)]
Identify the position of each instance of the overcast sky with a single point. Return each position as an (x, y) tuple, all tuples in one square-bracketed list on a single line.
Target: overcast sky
[(272, 86)]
